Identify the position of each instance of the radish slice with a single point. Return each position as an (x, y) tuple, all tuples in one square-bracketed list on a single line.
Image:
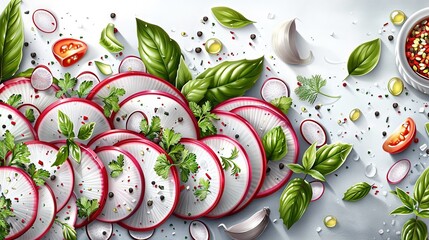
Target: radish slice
[(134, 120), (41, 78), (132, 82), (45, 214), (45, 21), (164, 200), (17, 186), (139, 235), (398, 171), (318, 188), (236, 185), (198, 230), (127, 188), (86, 76), (238, 128), (274, 88), (12, 120), (132, 63), (263, 120), (236, 102), (190, 206), (312, 132), (99, 230), (80, 111), (173, 113), (112, 137), (67, 215)]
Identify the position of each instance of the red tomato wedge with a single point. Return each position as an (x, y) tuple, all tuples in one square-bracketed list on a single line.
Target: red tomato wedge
[(68, 51), (401, 138)]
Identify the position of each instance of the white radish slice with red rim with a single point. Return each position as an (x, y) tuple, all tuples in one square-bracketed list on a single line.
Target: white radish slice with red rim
[(236, 185), (17, 124), (132, 63), (41, 78), (238, 128), (318, 188), (209, 169), (132, 82), (164, 193), (112, 137), (99, 230), (80, 111), (398, 171), (90, 180), (274, 88), (45, 21), (172, 112), (86, 76), (312, 132), (67, 215), (198, 230), (126, 190), (17, 186), (134, 120), (263, 120), (139, 235), (46, 212), (236, 102)]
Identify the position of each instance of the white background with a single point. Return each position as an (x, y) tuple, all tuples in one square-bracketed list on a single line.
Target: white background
[(349, 22)]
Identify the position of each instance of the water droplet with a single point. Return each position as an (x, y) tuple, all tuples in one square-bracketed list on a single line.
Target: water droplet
[(395, 86), (370, 170), (397, 17), (356, 157), (330, 221)]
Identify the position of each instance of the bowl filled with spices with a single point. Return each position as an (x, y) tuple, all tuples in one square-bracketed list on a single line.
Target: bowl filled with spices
[(412, 50)]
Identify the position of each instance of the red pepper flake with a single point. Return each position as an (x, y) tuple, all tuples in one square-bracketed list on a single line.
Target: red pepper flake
[(376, 192), (208, 176), (233, 38), (89, 63), (416, 140), (269, 69), (374, 187), (40, 162), (379, 96), (120, 54), (85, 118), (385, 24), (115, 30), (250, 44), (22, 220), (182, 187), (231, 32), (344, 84), (13, 123), (220, 59), (83, 123), (16, 199), (299, 83)]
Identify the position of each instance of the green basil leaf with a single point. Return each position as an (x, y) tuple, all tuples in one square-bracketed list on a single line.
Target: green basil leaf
[(282, 103), (414, 229), (195, 90), (104, 68), (309, 157), (160, 54), (74, 150), (275, 145), (231, 79), (357, 192), (109, 41), (230, 18), (294, 201), (27, 73), (85, 131), (405, 198), (65, 125), (11, 39), (402, 210), (421, 190), (183, 74), (330, 157), (423, 214), (296, 168), (364, 58), (62, 155), (316, 175)]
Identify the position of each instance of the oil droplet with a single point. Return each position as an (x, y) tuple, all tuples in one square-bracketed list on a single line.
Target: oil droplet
[(355, 114), (397, 17), (370, 170), (395, 86), (330, 221), (213, 46)]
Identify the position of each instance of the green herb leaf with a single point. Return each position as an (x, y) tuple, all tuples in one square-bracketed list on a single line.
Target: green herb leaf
[(357, 192), (296, 168), (84, 89), (402, 210), (205, 118), (294, 201), (331, 157), (74, 150), (230, 18), (160, 54), (65, 84), (69, 233), (316, 175), (310, 88), (104, 68), (421, 190), (65, 125), (109, 41), (228, 162), (117, 166), (187, 165), (152, 131), (195, 90), (183, 74), (5, 213), (39, 176), (405, 198), (86, 130), (27, 73), (414, 229), (29, 114), (62, 155), (309, 157), (20, 156), (275, 145), (9, 140), (423, 214), (282, 103), (111, 101), (14, 100), (364, 58), (11, 39), (86, 207), (169, 139), (203, 189), (162, 166)]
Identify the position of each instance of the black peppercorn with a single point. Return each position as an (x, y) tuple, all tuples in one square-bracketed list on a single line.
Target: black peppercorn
[(237, 136), (427, 151), (111, 194), (150, 203), (130, 190), (268, 170), (199, 33), (252, 36), (180, 119), (377, 113), (198, 49), (281, 165), (33, 62), (3, 126), (104, 233), (205, 18), (113, 15), (162, 197), (390, 37), (26, 44), (118, 119), (9, 116), (384, 133), (153, 182), (53, 177), (317, 107), (156, 140), (395, 105), (33, 54)]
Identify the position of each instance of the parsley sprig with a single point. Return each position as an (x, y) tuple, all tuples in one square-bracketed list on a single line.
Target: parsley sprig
[(111, 101), (309, 88), (14, 100), (228, 162), (86, 207), (117, 166), (68, 82), (29, 114), (39, 176), (204, 117), (69, 232), (153, 130), (5, 213), (203, 189)]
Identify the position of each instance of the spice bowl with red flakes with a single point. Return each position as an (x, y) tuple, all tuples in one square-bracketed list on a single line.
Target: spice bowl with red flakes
[(412, 50)]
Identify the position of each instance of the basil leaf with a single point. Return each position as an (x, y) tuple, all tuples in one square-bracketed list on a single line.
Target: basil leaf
[(62, 155), (364, 58), (74, 150), (309, 157), (85, 131), (230, 18), (330, 157), (423, 214), (195, 90), (316, 175), (183, 74), (357, 192), (296, 168), (160, 54), (414, 229), (109, 41), (11, 39), (231, 79), (405, 198), (27, 73), (421, 190), (274, 142), (402, 210), (65, 125), (294, 201)]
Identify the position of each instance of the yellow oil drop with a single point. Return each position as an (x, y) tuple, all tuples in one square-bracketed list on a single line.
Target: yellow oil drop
[(213, 46), (395, 86), (330, 221), (397, 17), (355, 114)]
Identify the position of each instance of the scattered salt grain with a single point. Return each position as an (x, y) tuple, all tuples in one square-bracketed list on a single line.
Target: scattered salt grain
[(423, 147), (421, 110), (381, 231), (393, 222), (398, 232), (271, 16), (318, 229), (275, 220)]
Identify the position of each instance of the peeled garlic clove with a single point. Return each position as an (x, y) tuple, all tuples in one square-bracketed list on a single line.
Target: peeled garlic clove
[(284, 44), (250, 228), (198, 230)]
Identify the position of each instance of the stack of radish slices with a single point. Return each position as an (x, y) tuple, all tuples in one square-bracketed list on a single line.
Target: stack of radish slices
[(117, 164)]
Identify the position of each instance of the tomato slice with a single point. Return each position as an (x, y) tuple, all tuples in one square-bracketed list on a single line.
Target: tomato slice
[(68, 51), (401, 138)]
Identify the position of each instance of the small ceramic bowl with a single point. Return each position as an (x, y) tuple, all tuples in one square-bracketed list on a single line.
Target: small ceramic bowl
[(407, 73)]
